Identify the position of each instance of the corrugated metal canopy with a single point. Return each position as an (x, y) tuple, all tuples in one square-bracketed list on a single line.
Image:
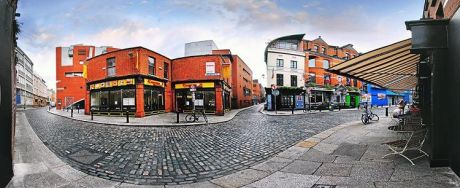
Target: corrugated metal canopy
[(392, 67)]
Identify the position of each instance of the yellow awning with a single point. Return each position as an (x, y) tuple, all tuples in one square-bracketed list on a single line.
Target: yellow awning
[(392, 67)]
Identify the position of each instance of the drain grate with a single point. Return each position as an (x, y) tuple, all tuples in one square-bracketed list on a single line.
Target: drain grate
[(323, 186), (84, 156)]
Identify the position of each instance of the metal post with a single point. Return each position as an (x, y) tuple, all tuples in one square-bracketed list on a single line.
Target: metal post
[(386, 111), (275, 105), (71, 111), (78, 109), (127, 115), (293, 99), (92, 115)]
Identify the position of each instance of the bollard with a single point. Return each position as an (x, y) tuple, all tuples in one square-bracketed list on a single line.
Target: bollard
[(386, 111), (292, 109), (71, 112), (78, 110), (92, 115), (127, 116), (177, 117)]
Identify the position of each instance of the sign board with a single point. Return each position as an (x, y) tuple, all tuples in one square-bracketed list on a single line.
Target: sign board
[(199, 102), (196, 85), (276, 92), (128, 102), (381, 96), (114, 83), (150, 82), (192, 89)]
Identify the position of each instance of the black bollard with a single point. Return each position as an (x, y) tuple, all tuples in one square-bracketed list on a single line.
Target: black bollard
[(293, 109), (177, 116), (127, 116), (92, 115), (386, 111), (78, 110), (71, 112)]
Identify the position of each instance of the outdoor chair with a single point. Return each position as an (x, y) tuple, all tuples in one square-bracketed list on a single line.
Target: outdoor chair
[(413, 143)]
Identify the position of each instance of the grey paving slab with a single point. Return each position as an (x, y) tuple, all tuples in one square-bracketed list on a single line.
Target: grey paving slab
[(44, 179), (95, 182), (286, 180), (353, 151), (372, 172), (240, 178), (272, 165), (69, 173), (325, 147), (316, 156), (205, 184), (333, 169), (128, 185), (293, 152), (343, 182), (301, 167)]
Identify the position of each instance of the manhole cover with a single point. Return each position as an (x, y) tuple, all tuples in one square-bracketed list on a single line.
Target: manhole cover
[(323, 186), (85, 156)]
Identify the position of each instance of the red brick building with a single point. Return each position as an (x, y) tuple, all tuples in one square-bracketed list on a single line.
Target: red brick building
[(209, 77), (257, 92), (319, 57), (241, 83), (132, 79), (70, 84)]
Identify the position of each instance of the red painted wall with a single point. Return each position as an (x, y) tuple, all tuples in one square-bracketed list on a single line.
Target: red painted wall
[(241, 78)]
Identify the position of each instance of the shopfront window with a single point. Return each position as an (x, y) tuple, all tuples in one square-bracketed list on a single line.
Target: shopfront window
[(153, 100), (115, 100), (129, 96), (104, 97), (95, 100), (316, 97)]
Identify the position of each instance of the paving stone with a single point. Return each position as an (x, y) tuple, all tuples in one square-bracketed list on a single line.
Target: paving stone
[(344, 182), (286, 180), (306, 144), (272, 165), (301, 167), (371, 172), (316, 156), (325, 147), (350, 150), (293, 152), (333, 169), (205, 184), (44, 179), (240, 178)]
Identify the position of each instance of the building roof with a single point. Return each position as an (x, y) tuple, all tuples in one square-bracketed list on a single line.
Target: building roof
[(140, 47), (319, 39), (298, 37)]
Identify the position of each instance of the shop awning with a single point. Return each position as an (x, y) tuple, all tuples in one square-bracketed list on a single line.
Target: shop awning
[(392, 67)]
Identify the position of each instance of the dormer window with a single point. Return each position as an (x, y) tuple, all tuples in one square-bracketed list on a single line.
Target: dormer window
[(347, 56), (315, 48), (323, 50)]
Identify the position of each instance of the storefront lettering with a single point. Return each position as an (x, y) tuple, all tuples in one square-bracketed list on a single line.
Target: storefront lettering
[(150, 82), (197, 85), (114, 83)]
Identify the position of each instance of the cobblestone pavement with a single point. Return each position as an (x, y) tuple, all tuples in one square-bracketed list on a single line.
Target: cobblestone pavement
[(177, 155)]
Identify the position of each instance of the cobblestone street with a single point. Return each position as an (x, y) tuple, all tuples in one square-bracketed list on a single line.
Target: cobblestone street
[(178, 155)]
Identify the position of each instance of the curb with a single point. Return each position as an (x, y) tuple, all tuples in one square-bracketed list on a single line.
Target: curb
[(147, 125), (305, 113)]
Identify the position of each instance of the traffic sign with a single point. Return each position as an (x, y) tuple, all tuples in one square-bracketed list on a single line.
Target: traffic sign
[(276, 92)]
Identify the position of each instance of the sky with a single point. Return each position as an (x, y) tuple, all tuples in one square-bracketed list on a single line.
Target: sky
[(243, 26)]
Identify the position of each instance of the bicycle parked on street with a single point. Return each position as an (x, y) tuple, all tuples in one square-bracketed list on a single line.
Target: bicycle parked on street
[(195, 116), (368, 115)]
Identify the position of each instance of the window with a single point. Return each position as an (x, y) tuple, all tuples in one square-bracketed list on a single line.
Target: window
[(312, 78), (312, 62), (347, 56), (210, 68), (151, 65), (294, 64), (73, 74), (286, 44), (279, 79), (82, 52), (280, 62), (111, 67), (323, 50), (326, 64), (327, 79), (246, 91), (315, 48), (293, 81), (355, 82), (166, 69), (348, 81)]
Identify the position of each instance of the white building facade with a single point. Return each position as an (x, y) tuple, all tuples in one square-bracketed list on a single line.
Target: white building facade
[(200, 48), (40, 91), (24, 79)]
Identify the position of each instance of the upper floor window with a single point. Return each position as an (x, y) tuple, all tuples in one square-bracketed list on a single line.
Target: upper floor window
[(312, 62), (293, 81), (279, 80), (347, 55), (286, 44), (280, 62), (166, 70), (326, 64), (312, 78), (151, 65), (111, 66), (315, 48), (294, 64), (327, 79), (323, 50)]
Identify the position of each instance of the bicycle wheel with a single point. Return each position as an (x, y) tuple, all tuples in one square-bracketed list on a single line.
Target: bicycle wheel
[(205, 118), (375, 117), (190, 118), (364, 119)]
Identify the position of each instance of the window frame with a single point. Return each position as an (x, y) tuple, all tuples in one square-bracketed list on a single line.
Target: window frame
[(310, 62), (293, 63), (111, 66), (165, 70), (151, 65), (279, 79), (294, 81), (279, 62), (328, 63)]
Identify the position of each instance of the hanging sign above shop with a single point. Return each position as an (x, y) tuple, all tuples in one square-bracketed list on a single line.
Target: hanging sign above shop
[(196, 85), (150, 82), (113, 83)]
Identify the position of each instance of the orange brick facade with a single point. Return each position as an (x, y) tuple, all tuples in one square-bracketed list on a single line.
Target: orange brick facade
[(70, 85), (440, 9), (133, 70), (241, 83), (321, 51), (210, 75)]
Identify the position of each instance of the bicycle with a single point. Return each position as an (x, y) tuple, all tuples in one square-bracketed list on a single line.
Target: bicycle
[(368, 115), (194, 116)]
